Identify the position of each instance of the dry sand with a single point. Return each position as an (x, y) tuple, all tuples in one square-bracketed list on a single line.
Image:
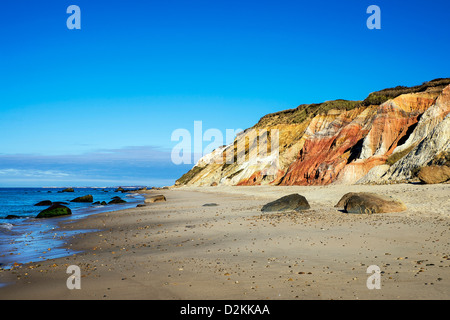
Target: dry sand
[(180, 249)]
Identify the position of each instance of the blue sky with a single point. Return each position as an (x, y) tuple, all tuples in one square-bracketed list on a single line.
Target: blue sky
[(74, 102)]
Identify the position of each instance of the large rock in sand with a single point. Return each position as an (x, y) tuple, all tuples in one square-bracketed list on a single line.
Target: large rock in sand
[(369, 203), (287, 203), (434, 174), (55, 210), (341, 203), (157, 198)]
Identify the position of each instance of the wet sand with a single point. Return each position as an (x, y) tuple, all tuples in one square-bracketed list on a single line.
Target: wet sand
[(180, 249)]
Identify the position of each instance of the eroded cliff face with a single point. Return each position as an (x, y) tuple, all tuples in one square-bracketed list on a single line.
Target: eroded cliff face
[(337, 141)]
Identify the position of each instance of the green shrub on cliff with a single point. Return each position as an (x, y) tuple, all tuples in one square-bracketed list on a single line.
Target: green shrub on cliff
[(379, 97), (398, 155), (189, 175)]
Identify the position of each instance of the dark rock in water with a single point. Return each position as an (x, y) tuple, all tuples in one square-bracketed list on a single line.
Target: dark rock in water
[(103, 203), (287, 203), (116, 201), (45, 203), (434, 174), (157, 198), (210, 205), (60, 202), (55, 210), (97, 202), (119, 189), (12, 216), (68, 190), (369, 203), (88, 198)]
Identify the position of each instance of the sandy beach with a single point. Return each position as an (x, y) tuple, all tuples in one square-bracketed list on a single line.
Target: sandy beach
[(181, 249)]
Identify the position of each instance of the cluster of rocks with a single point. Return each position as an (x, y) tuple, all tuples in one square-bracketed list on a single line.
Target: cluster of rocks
[(361, 202), (57, 209)]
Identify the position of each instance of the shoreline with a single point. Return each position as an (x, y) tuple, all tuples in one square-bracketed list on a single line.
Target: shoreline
[(40, 239), (180, 249)]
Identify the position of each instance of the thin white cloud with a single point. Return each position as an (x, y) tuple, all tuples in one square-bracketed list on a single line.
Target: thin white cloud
[(133, 165), (32, 173)]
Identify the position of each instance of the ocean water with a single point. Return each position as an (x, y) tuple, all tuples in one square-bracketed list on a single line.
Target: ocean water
[(27, 239)]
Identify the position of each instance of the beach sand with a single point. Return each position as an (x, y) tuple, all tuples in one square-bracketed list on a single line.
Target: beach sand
[(180, 249)]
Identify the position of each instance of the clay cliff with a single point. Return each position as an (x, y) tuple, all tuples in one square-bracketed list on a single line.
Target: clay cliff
[(385, 138)]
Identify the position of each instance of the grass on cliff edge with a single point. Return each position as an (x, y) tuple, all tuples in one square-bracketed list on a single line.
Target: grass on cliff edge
[(305, 111), (379, 97)]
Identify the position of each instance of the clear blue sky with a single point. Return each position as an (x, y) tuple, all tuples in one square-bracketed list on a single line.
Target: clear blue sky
[(73, 103)]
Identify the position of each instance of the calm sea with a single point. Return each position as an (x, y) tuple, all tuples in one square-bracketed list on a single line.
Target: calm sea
[(26, 239)]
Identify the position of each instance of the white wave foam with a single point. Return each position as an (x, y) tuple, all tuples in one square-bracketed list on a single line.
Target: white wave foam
[(7, 226)]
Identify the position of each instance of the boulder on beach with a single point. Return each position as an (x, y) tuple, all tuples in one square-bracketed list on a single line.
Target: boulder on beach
[(45, 203), (88, 198), (291, 202), (341, 203), (434, 174), (116, 200), (140, 205), (210, 205), (55, 210), (369, 203), (157, 198)]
